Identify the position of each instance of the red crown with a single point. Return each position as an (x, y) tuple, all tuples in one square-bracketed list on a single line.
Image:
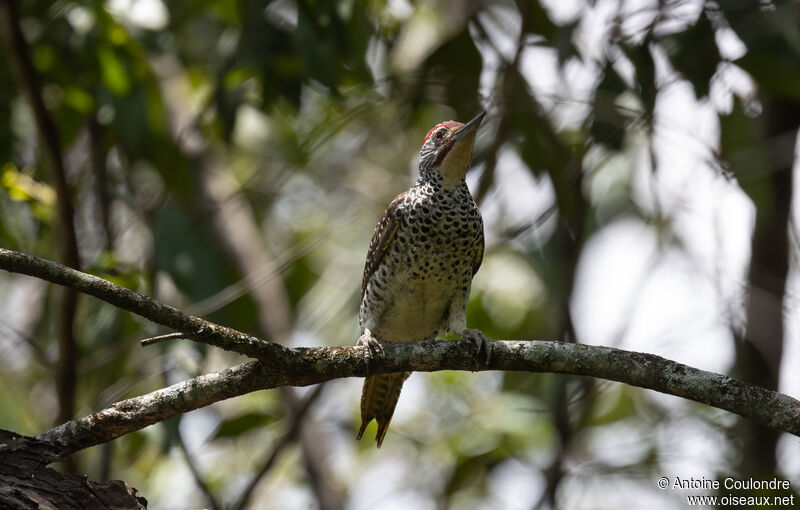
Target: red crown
[(447, 124)]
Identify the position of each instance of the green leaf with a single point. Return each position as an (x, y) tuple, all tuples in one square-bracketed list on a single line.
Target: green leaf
[(537, 20), (694, 53), (241, 424), (455, 67), (774, 63), (113, 72), (470, 472), (611, 403), (645, 81), (78, 99), (608, 124), (44, 57), (742, 149)]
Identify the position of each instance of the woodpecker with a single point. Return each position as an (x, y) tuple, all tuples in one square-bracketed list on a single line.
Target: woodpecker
[(425, 250)]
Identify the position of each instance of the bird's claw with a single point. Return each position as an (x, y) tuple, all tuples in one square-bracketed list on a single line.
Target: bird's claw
[(373, 348), (482, 343)]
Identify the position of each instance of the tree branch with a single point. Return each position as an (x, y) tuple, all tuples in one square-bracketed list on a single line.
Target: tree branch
[(281, 366), (194, 328), (306, 366), (25, 482), (234, 226)]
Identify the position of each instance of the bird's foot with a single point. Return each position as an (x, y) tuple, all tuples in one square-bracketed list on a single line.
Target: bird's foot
[(373, 348), (482, 343)]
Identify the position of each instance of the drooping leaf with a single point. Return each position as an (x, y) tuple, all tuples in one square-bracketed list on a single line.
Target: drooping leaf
[(774, 61), (113, 71), (235, 427), (694, 53), (607, 123), (451, 74), (645, 79), (743, 152)]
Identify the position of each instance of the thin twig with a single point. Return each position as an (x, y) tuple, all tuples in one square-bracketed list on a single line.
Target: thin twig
[(161, 338), (194, 328), (23, 337)]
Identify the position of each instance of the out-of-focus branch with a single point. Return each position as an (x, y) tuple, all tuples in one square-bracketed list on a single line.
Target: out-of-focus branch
[(760, 351), (191, 463), (36, 349), (97, 149), (223, 207), (30, 83), (235, 229), (290, 435), (281, 366)]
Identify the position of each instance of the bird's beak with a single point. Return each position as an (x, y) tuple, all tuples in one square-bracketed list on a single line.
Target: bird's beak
[(469, 129)]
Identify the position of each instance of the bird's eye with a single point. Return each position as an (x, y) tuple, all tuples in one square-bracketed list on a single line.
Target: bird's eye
[(439, 134)]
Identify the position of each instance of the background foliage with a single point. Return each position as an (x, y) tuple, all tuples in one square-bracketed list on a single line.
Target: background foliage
[(232, 158)]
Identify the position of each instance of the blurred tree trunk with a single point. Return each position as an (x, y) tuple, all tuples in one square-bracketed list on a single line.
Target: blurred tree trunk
[(759, 352), (50, 139), (568, 242), (566, 174)]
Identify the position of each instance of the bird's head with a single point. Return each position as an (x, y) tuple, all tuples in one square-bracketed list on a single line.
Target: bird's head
[(447, 150)]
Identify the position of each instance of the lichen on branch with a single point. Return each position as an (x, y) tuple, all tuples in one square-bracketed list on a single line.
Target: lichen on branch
[(280, 366)]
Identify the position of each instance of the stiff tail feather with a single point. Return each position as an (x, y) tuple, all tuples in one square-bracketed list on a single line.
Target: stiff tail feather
[(378, 400)]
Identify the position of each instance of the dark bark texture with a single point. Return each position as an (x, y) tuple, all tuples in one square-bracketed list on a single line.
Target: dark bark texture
[(27, 483)]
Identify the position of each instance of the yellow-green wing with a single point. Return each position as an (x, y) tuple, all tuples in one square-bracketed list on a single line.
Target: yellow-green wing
[(476, 264), (381, 240)]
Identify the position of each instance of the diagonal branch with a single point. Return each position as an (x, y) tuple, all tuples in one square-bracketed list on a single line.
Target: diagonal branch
[(280, 366), (291, 433), (213, 503)]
